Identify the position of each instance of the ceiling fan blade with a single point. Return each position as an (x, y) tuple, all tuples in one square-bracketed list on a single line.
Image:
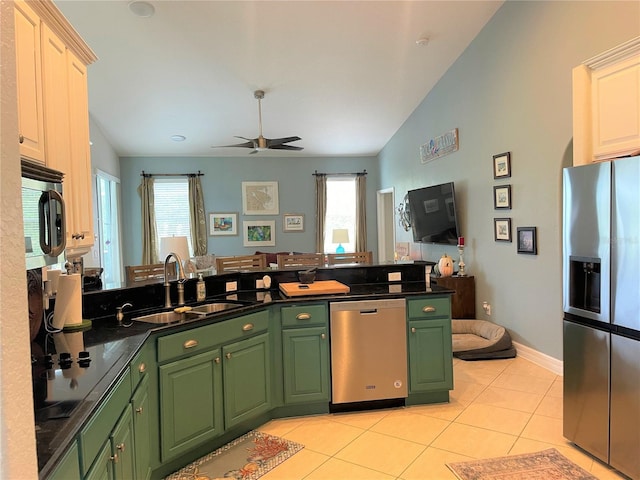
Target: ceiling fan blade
[(285, 147), (279, 141), (249, 144)]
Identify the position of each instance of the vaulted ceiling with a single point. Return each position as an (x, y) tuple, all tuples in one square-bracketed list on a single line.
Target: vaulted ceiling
[(342, 75)]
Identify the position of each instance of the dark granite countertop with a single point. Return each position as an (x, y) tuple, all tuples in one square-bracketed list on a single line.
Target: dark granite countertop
[(113, 347)]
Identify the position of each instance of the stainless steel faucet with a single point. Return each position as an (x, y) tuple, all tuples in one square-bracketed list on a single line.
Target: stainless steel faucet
[(181, 279)]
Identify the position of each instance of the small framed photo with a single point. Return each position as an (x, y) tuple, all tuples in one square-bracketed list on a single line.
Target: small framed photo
[(502, 197), (527, 240), (223, 224), (293, 222), (502, 229), (259, 233), (260, 198), (502, 165)]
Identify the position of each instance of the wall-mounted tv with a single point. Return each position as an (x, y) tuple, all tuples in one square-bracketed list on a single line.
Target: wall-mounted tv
[(433, 214)]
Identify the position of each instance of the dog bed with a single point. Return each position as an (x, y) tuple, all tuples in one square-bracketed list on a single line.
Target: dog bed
[(480, 339)]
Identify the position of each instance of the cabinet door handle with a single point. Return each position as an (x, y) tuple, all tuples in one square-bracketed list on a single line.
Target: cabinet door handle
[(413, 329), (114, 458), (21, 138), (216, 360), (248, 327), (228, 355), (428, 309), (190, 344), (323, 336), (303, 316), (120, 446), (139, 410), (142, 367)]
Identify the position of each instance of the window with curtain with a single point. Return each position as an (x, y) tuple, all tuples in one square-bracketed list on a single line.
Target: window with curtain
[(341, 197), (171, 202)]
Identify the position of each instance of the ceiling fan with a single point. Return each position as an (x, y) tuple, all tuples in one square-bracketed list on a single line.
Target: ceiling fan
[(260, 143)]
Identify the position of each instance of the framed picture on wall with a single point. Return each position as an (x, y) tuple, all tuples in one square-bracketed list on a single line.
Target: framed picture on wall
[(293, 222), (259, 233), (502, 229), (527, 240), (502, 165), (502, 197), (223, 224), (260, 198)]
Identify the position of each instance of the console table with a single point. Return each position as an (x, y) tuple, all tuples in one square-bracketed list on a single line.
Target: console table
[(463, 302)]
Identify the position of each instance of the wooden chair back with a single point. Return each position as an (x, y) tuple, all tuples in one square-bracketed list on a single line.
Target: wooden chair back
[(241, 262), (304, 260), (364, 258), (141, 273)]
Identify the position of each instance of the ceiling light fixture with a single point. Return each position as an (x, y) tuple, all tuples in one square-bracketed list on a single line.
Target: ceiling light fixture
[(422, 41), (141, 9), (178, 138)]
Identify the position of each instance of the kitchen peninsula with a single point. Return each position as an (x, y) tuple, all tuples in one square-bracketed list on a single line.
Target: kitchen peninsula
[(163, 395)]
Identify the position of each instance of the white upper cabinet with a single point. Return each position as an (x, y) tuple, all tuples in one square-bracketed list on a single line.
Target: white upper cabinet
[(606, 105), (29, 83)]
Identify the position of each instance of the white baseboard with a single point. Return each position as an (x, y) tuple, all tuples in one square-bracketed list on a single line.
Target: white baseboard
[(545, 361)]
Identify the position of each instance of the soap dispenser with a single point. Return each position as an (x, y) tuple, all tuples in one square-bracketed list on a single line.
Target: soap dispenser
[(201, 289)]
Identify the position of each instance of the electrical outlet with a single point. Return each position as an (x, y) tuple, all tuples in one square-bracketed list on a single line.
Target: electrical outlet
[(259, 284), (486, 306), (231, 286), (395, 276)]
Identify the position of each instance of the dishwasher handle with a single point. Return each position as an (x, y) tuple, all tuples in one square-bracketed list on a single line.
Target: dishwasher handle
[(370, 311)]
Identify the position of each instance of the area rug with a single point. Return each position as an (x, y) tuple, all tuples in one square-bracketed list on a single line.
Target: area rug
[(545, 465), (246, 458)]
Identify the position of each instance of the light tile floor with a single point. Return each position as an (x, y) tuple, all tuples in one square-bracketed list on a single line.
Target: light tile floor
[(497, 407)]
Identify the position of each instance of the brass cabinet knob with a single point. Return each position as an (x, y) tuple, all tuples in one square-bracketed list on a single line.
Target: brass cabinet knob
[(216, 360), (228, 355), (120, 447), (323, 336), (142, 367), (21, 138), (303, 316), (413, 329), (114, 458), (428, 309), (139, 410), (248, 327)]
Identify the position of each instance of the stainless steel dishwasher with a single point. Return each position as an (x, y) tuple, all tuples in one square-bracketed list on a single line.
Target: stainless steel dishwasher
[(368, 350)]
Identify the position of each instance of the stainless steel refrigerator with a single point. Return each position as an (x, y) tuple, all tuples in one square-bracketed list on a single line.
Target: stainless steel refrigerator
[(601, 302)]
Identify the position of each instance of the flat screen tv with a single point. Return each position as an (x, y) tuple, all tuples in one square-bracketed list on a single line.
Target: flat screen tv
[(433, 214)]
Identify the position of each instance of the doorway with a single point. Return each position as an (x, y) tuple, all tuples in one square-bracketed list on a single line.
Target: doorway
[(108, 214), (386, 232)]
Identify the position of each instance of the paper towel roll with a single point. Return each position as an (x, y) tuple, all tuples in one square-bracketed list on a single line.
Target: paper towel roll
[(68, 309)]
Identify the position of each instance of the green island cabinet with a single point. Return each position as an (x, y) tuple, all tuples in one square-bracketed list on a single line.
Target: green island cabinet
[(430, 349), (68, 467), (305, 345), (194, 365)]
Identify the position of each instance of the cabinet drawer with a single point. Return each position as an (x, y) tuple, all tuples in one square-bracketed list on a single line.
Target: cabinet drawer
[(201, 339), (94, 434), (140, 366), (429, 307), (304, 315)]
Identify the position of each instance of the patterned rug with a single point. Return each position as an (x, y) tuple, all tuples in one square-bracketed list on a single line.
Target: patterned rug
[(246, 458), (545, 465)]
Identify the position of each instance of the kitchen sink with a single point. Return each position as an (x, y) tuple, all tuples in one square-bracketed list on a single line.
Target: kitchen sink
[(164, 318)]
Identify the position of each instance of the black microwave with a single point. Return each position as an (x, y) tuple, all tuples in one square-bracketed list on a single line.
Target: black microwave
[(43, 214)]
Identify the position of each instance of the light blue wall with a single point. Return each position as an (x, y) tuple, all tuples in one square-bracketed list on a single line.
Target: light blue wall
[(222, 193), (510, 91)]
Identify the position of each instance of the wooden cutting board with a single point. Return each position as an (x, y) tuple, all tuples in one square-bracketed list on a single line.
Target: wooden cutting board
[(322, 287)]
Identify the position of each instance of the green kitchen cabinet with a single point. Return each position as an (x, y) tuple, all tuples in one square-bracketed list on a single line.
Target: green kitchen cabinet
[(68, 467), (247, 379), (305, 353), (116, 457), (430, 348), (190, 402), (142, 429), (306, 365)]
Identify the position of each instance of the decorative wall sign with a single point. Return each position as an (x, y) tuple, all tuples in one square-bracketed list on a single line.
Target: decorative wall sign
[(527, 240), (502, 229), (223, 224), (293, 222), (260, 198), (259, 233), (439, 146)]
